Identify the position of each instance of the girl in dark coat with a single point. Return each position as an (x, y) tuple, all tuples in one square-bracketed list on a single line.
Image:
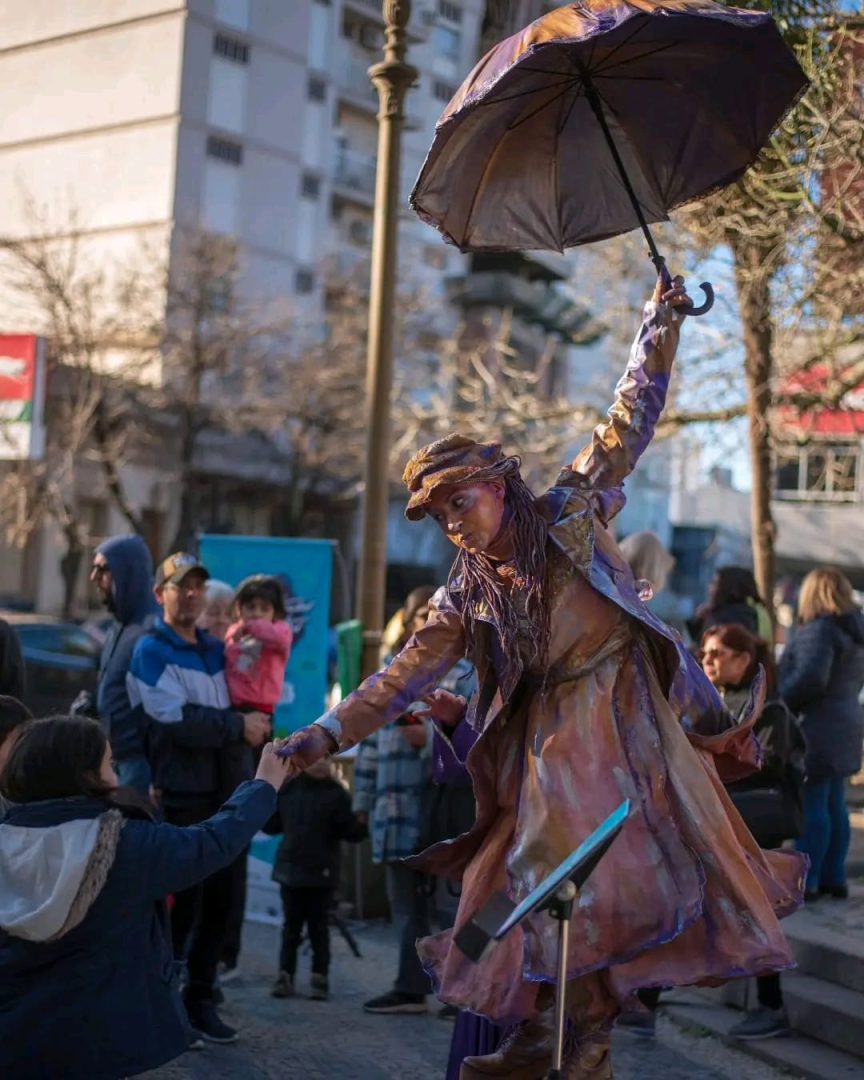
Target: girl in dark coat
[(87, 977), (821, 674)]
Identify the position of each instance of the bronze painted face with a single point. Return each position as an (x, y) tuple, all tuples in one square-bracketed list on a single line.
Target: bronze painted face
[(469, 515)]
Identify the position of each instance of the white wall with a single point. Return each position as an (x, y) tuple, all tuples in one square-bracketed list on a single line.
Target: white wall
[(25, 21)]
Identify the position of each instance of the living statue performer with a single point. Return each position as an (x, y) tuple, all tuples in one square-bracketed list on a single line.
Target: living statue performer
[(585, 698)]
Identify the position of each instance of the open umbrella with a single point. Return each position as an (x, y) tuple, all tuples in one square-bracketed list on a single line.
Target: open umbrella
[(601, 117)]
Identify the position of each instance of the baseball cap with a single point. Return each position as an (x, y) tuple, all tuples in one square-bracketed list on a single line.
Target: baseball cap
[(174, 569)]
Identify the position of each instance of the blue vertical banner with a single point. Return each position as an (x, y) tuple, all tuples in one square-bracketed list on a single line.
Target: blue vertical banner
[(305, 568)]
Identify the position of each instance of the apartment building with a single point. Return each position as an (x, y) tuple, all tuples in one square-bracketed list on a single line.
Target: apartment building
[(131, 122)]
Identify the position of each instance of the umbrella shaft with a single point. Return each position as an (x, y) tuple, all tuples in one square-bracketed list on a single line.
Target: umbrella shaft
[(597, 107)]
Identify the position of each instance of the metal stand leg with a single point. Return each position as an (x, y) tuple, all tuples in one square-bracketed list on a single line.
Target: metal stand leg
[(561, 909)]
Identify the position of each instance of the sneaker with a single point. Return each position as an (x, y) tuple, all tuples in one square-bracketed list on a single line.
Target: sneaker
[(320, 988), (195, 1042), (448, 1012), (761, 1023), (206, 1022), (836, 892), (394, 1001), (228, 973), (643, 1024), (284, 986)]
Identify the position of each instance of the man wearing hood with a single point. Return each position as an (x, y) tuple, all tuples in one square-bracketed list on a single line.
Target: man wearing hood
[(122, 571)]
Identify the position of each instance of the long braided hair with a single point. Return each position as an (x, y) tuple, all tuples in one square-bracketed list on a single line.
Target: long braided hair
[(483, 582)]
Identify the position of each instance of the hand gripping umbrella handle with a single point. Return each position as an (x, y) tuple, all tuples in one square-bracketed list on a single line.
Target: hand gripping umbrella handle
[(703, 308), (685, 309)]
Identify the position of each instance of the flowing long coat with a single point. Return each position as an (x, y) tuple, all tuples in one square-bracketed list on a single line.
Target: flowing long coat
[(623, 710)]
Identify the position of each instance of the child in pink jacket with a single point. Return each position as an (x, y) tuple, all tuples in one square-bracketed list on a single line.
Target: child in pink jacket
[(257, 645), (257, 648)]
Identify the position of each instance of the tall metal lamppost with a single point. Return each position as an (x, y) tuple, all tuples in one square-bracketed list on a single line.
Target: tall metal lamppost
[(392, 78)]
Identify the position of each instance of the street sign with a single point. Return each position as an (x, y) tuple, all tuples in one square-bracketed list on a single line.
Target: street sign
[(22, 397)]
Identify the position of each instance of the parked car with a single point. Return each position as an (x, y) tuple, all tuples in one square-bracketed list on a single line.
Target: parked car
[(60, 658)]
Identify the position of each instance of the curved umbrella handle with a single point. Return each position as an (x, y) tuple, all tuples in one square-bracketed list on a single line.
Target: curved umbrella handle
[(702, 309), (685, 309)]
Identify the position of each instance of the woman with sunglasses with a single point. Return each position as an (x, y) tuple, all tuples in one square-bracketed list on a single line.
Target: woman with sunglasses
[(770, 800)]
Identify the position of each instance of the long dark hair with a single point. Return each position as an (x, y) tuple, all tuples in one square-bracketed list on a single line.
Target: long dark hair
[(56, 758), (740, 640), (734, 585), (483, 582)]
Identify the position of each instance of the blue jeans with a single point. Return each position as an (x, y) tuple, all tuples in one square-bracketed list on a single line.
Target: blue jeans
[(134, 772), (826, 833)]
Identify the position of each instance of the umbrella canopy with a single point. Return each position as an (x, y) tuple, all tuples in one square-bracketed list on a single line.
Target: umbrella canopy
[(684, 92)]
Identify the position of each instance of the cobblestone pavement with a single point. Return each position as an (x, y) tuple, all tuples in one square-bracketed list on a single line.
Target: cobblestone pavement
[(310, 1040)]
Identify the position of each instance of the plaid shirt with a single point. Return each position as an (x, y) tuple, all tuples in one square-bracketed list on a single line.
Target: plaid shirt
[(390, 782), (391, 779)]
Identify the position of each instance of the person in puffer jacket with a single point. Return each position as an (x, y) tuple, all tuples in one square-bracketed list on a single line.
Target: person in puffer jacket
[(87, 976), (821, 674)]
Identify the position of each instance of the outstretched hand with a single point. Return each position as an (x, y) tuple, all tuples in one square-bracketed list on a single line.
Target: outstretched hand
[(273, 769), (305, 747), (445, 708), (676, 295)]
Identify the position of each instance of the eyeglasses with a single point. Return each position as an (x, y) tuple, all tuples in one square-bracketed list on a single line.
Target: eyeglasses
[(718, 654), (99, 570)]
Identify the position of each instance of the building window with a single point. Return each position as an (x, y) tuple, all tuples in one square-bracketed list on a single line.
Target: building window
[(451, 12), (304, 281), (442, 91), (231, 48), (448, 43), (310, 186), (367, 34), (819, 473), (360, 232), (224, 150), (317, 89)]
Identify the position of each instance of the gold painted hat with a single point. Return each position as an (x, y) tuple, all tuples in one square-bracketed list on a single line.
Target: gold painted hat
[(455, 459)]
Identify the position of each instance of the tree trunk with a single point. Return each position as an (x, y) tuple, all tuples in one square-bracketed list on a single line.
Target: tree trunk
[(70, 567), (754, 298), (185, 534)]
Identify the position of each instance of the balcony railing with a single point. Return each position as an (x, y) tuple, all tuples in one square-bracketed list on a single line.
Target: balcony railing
[(355, 171), (354, 81)]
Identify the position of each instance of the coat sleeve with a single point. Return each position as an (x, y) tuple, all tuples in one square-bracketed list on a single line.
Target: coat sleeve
[(344, 824), (416, 670), (805, 669), (620, 440), (176, 858), (275, 635)]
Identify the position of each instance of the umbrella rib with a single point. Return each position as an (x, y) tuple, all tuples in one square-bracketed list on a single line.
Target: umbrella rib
[(569, 81), (633, 78), (635, 59), (522, 119), (620, 45)]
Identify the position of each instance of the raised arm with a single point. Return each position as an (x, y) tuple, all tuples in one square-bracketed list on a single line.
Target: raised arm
[(619, 441)]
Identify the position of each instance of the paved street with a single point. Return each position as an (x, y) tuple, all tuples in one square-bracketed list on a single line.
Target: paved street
[(313, 1040)]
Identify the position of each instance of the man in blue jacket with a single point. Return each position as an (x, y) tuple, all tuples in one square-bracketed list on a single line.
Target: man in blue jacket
[(122, 572), (177, 677)]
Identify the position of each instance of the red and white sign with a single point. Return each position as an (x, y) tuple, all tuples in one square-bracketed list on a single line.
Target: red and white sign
[(844, 420), (22, 397)]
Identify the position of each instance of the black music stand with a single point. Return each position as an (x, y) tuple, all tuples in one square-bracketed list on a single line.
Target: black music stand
[(554, 894)]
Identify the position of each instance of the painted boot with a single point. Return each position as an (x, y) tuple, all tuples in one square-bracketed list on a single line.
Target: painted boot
[(525, 1054), (589, 1059)]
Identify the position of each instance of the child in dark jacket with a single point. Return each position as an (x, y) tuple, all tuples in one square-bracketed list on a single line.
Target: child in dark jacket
[(314, 815), (88, 983)]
